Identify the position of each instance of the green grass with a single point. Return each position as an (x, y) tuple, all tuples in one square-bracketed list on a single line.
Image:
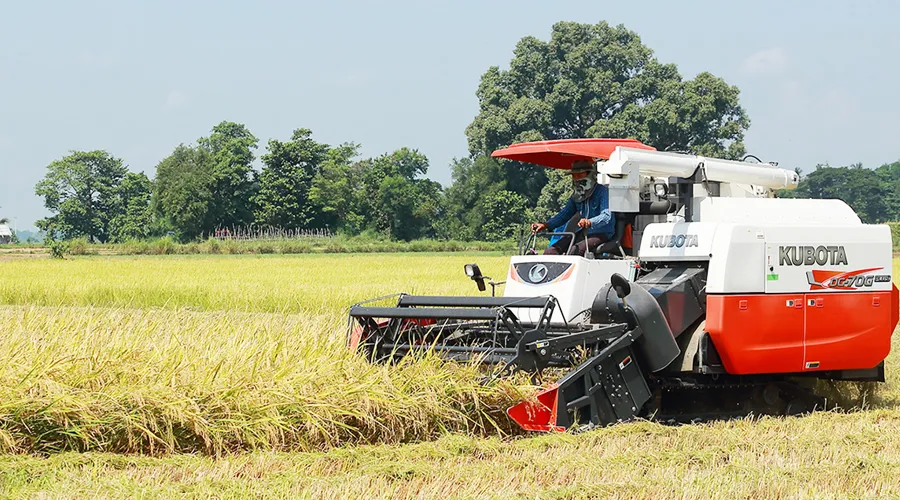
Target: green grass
[(227, 375), (337, 244)]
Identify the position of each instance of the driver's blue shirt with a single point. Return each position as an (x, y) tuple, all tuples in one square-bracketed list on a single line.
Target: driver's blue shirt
[(595, 208)]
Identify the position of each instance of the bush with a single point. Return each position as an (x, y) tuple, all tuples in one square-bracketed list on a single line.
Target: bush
[(895, 233), (338, 244), (58, 249), (213, 246), (162, 246), (81, 246)]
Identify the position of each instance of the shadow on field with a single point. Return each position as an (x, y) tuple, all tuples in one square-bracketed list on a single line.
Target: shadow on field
[(845, 397)]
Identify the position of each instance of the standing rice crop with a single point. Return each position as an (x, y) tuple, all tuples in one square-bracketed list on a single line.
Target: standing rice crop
[(153, 381)]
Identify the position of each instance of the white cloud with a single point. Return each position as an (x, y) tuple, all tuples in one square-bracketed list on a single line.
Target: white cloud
[(175, 100), (5, 142), (765, 62)]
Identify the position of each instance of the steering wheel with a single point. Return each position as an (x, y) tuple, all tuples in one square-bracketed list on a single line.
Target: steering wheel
[(572, 229)]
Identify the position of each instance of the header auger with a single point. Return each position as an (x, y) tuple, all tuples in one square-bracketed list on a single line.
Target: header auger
[(705, 302)]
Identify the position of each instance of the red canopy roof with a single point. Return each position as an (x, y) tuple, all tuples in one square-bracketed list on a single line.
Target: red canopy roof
[(562, 153)]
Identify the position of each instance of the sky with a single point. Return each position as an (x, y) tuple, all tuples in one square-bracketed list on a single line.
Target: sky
[(818, 79)]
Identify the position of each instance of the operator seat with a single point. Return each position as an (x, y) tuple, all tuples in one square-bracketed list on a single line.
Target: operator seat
[(613, 247)]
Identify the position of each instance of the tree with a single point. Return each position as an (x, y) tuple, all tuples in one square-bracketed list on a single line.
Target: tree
[(600, 81), (553, 196), (132, 217), (408, 207), (230, 148), (285, 181), (182, 192), (403, 205), (868, 192), (208, 186), (382, 195), (474, 179), (337, 193), (79, 190), (889, 173), (504, 212)]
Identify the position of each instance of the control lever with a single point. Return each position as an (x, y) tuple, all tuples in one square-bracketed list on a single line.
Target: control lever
[(587, 251), (621, 286)]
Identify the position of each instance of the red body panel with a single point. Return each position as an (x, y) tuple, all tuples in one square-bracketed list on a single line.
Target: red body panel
[(847, 331), (757, 333), (790, 333)]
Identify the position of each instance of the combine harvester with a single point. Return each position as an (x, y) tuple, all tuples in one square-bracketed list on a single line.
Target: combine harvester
[(735, 302)]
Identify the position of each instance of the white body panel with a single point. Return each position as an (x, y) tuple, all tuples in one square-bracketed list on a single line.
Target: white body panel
[(677, 241), (575, 286), (840, 258), (775, 211), (778, 246), (738, 260)]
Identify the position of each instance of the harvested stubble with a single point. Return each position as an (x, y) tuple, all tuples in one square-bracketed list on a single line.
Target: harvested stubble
[(824, 455), (155, 381)]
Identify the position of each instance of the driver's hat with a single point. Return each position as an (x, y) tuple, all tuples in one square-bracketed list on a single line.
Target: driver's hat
[(582, 168)]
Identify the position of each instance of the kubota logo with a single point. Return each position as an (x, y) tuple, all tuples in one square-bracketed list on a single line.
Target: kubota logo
[(674, 241), (845, 280), (537, 273), (808, 256)]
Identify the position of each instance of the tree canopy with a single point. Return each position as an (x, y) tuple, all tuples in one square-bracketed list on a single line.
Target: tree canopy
[(81, 190), (182, 192), (132, 217), (232, 178), (601, 81), (873, 194), (210, 185), (597, 81), (285, 181)]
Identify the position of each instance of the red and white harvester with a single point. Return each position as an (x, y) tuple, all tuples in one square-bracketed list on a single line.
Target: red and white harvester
[(713, 297)]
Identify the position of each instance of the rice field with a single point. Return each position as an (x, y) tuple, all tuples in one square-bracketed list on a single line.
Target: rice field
[(305, 284), (227, 377)]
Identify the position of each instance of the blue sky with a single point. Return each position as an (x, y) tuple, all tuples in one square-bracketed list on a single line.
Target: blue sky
[(819, 79)]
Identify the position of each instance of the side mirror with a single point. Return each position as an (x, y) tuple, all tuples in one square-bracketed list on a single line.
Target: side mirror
[(473, 272), (620, 285)]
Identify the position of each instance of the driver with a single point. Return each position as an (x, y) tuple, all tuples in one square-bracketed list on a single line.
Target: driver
[(589, 199)]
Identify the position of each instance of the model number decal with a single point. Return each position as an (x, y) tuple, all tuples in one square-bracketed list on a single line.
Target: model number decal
[(841, 280)]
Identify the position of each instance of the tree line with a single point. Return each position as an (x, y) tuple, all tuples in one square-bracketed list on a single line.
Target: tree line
[(585, 81), (873, 193)]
